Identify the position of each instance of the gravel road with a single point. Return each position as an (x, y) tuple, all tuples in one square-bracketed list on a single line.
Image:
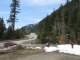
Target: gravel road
[(42, 56), (52, 56)]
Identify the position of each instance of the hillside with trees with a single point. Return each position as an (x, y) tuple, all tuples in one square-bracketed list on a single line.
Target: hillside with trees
[(62, 26)]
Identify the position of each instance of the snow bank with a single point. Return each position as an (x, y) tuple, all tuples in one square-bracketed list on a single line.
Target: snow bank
[(68, 49), (50, 49), (65, 48)]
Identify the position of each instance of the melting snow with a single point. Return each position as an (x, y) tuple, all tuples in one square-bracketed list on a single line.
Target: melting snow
[(66, 48), (50, 49)]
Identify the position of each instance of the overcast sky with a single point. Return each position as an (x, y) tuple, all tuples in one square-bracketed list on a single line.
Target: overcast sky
[(32, 11)]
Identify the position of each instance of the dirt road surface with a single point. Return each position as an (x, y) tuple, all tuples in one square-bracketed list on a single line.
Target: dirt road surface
[(41, 56)]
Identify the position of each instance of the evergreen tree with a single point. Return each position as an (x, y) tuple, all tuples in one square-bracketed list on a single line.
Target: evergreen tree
[(13, 14), (12, 19), (2, 28)]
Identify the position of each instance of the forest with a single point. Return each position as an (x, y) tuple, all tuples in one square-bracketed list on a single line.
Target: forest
[(62, 26)]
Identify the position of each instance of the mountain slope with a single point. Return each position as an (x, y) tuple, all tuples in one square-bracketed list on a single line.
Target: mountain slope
[(62, 26)]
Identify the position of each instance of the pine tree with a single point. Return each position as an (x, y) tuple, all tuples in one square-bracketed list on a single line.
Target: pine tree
[(12, 19), (77, 29), (13, 14), (2, 28), (67, 1), (62, 26)]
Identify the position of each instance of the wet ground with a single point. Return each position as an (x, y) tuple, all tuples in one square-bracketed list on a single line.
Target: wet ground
[(39, 56)]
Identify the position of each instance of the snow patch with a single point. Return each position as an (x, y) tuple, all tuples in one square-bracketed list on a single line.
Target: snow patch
[(50, 49), (65, 48)]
